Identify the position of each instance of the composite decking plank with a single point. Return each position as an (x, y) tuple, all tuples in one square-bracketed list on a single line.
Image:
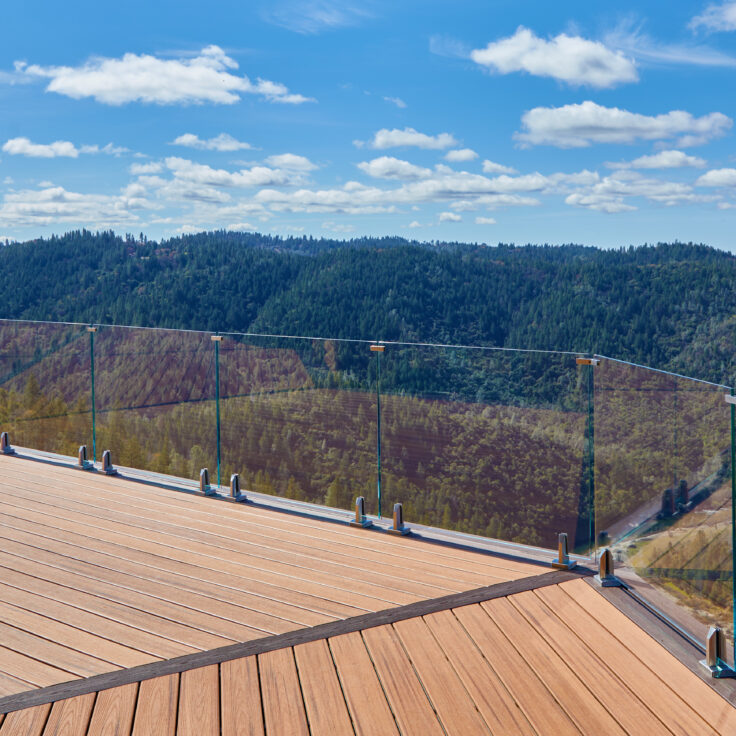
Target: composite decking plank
[(681, 700), (70, 717), (411, 707), (273, 521), (324, 702), (241, 713), (44, 565), (151, 646), (454, 706), (283, 704), (366, 701), (199, 702), (39, 674), (113, 711), (45, 650), (611, 690), (70, 636), (68, 544), (29, 722), (499, 709), (191, 639), (542, 710), (554, 671), (278, 563), (366, 580), (156, 709), (108, 570), (180, 563)]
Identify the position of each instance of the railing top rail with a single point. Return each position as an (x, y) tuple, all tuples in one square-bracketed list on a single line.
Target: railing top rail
[(398, 343)]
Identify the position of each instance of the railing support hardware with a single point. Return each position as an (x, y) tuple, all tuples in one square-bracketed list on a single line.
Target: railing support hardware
[(563, 561), (204, 483), (398, 527), (361, 519), (5, 447), (107, 466), (235, 493), (715, 650), (82, 462), (605, 577)]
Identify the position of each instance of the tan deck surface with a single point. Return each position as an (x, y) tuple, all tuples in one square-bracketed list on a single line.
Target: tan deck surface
[(553, 661), (100, 573)]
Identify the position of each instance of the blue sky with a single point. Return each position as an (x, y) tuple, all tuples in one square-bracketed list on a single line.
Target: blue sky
[(478, 121)]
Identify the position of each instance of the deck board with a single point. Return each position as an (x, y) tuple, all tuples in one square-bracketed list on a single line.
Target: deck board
[(199, 702), (241, 713), (156, 708), (70, 717), (283, 705), (100, 573), (28, 722), (113, 712)]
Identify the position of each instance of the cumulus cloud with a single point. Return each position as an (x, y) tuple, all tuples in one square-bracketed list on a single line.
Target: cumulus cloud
[(337, 227), (570, 59), (580, 125), (450, 217), (207, 77), (185, 170), (661, 160), (222, 142), (148, 168), (57, 205), (716, 18), (484, 221), (396, 101), (388, 167), (491, 167), (396, 138), (718, 178), (291, 162), (25, 147), (461, 154), (415, 224), (599, 202), (241, 227), (315, 16)]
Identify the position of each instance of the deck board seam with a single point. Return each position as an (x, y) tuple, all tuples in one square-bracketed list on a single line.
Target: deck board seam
[(258, 646)]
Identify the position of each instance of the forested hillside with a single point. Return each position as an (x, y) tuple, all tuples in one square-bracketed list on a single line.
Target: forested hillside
[(671, 305)]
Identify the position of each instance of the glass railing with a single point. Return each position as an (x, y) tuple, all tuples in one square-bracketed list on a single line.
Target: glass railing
[(663, 490), (513, 445)]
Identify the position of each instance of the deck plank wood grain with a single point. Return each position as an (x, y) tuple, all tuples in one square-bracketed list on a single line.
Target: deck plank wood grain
[(113, 711), (70, 717), (28, 722), (241, 713), (156, 709), (199, 702), (283, 705)]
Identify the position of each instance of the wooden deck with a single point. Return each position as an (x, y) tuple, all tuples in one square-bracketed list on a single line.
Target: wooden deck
[(556, 660), (100, 574)]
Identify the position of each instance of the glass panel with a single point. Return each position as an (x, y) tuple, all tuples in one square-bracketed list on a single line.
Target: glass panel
[(487, 442), (155, 397), (663, 491), (299, 418), (45, 388)]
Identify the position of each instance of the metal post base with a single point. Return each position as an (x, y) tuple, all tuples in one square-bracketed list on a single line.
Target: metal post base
[(87, 466), (240, 498), (609, 581), (564, 565), (8, 451), (403, 532), (209, 491), (364, 524), (110, 471), (719, 671)]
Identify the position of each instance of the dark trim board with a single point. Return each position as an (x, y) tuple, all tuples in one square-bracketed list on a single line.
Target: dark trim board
[(668, 636), (186, 662)]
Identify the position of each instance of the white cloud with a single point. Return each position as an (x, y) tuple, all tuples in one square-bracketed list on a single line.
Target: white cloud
[(222, 142), (396, 101), (315, 16), (718, 178), (256, 176), (450, 217), (490, 167), (291, 162), (25, 147), (461, 154), (484, 221), (415, 224), (57, 205), (149, 168), (241, 227), (661, 160), (717, 18), (337, 227), (395, 138), (579, 125), (570, 59), (206, 77), (388, 167), (599, 202)]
